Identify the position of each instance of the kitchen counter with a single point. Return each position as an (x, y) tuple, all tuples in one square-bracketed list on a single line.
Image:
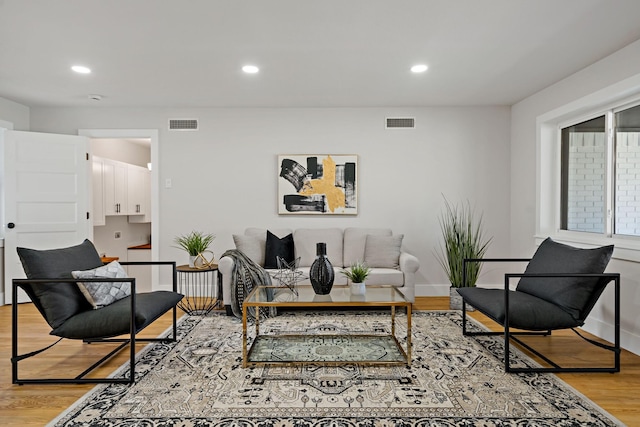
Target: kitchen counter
[(145, 246)]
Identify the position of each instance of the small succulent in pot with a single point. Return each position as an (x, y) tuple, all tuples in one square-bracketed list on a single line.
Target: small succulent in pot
[(195, 242), (357, 273)]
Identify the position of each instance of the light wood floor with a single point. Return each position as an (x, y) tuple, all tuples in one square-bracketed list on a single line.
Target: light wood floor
[(36, 405)]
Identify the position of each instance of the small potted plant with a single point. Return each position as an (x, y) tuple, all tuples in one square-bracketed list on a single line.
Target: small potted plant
[(195, 243), (463, 236), (357, 274)]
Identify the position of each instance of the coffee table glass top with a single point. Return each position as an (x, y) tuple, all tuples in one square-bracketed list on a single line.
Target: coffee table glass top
[(340, 295)]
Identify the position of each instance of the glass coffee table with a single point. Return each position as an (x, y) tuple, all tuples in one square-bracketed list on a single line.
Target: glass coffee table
[(332, 348)]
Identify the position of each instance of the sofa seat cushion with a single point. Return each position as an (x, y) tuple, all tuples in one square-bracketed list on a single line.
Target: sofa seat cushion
[(525, 310), (113, 320), (339, 279), (355, 239), (306, 239), (385, 276), (378, 276)]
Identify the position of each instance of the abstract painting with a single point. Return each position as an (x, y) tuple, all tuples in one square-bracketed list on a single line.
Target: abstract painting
[(319, 184)]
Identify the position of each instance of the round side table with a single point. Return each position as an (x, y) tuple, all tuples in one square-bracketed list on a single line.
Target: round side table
[(198, 287)]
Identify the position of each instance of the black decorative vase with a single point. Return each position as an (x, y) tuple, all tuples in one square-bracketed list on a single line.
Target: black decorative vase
[(321, 273)]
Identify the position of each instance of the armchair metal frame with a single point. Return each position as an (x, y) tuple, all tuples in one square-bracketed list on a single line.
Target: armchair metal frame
[(131, 340), (512, 335)]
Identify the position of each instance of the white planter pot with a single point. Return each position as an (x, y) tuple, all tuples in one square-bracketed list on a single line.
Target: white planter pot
[(192, 260), (358, 288)]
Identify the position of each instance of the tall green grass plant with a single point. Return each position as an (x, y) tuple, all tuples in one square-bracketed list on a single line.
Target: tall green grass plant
[(463, 237)]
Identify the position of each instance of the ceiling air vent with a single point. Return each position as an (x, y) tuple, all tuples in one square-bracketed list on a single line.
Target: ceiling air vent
[(183, 124), (401, 123)]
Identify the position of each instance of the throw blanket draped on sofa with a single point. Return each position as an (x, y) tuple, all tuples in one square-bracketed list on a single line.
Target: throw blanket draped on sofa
[(245, 276)]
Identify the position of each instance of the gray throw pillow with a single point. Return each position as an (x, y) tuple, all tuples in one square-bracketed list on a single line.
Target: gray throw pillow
[(383, 251), (251, 246), (100, 294)]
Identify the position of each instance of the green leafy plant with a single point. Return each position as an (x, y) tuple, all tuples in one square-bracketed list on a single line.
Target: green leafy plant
[(195, 242), (463, 237), (357, 273)]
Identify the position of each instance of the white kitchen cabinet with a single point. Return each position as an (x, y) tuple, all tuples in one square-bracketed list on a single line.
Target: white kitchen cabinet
[(139, 187), (98, 193), (120, 189), (115, 187)]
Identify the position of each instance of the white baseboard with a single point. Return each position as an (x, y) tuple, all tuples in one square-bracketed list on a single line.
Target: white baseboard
[(628, 340), (430, 290)]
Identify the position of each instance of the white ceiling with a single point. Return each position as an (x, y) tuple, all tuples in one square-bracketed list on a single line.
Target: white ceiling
[(312, 53)]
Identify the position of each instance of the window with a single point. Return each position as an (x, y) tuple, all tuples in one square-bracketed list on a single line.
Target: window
[(600, 174)]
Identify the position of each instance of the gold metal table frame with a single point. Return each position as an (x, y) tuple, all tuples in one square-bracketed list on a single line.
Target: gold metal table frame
[(340, 297)]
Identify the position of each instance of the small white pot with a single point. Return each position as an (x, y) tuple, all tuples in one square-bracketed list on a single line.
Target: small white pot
[(192, 260), (358, 288)]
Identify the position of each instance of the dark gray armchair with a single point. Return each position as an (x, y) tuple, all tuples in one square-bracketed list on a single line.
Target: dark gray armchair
[(57, 296), (558, 290)]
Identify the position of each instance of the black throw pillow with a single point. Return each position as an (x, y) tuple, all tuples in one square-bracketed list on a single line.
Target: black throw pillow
[(278, 247)]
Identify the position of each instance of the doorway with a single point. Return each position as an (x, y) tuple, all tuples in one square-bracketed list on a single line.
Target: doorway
[(149, 137)]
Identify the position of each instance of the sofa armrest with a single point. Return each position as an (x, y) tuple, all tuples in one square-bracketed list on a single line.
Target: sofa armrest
[(408, 263), (225, 267)]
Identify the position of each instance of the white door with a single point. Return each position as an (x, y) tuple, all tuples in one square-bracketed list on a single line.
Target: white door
[(47, 191)]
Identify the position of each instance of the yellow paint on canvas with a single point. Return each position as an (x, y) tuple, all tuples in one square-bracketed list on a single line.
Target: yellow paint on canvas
[(327, 186)]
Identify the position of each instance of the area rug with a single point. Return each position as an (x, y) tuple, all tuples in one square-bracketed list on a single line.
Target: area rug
[(453, 381)]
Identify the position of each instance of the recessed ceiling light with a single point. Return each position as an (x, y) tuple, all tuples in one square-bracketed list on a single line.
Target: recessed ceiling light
[(250, 69), (420, 68), (81, 69)]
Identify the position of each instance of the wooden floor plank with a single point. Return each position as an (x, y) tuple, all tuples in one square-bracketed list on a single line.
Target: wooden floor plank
[(36, 405)]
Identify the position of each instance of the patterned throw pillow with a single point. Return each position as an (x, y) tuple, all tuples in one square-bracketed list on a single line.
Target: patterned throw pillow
[(100, 294)]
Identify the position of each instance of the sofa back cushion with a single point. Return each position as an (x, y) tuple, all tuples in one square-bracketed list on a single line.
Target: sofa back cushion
[(575, 295), (305, 240), (252, 246), (253, 242), (355, 239), (58, 301), (383, 251)]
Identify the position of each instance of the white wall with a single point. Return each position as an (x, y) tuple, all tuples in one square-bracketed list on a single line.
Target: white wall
[(15, 113), (224, 176), (619, 66)]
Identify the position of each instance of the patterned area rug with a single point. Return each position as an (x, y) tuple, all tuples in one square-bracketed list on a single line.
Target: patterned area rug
[(453, 381)]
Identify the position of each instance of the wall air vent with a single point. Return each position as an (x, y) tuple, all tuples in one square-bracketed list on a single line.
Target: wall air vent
[(400, 123), (183, 124)]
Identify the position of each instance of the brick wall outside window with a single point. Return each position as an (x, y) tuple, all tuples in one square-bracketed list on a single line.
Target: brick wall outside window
[(627, 199), (586, 182)]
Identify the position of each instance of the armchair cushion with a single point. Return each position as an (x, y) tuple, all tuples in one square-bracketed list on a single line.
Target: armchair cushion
[(100, 294), (114, 319), (525, 311), (574, 294), (58, 301)]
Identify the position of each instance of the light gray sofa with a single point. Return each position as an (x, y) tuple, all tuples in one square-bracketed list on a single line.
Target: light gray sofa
[(377, 247)]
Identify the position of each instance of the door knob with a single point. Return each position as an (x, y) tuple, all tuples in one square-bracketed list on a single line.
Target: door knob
[(11, 225)]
